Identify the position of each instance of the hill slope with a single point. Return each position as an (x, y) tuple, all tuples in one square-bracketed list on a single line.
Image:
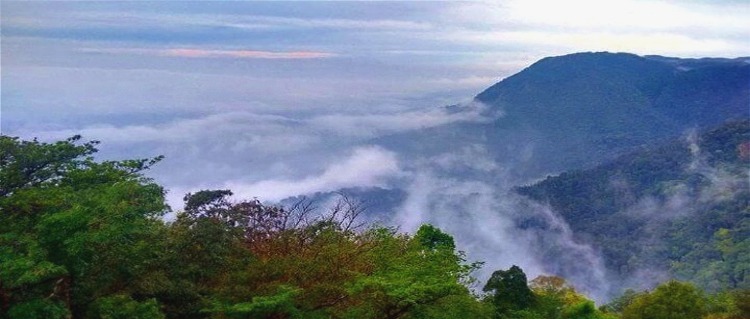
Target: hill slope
[(579, 110), (681, 207)]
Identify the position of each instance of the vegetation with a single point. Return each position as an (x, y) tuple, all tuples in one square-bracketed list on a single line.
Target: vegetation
[(86, 239), (681, 208)]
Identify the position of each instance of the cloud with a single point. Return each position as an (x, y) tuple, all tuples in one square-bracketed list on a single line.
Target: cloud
[(208, 53), (361, 24), (373, 125), (479, 208), (646, 27), (367, 166), (180, 130), (207, 151), (621, 15), (129, 19), (268, 133), (641, 43)]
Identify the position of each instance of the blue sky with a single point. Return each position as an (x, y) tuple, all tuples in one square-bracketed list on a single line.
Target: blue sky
[(285, 97)]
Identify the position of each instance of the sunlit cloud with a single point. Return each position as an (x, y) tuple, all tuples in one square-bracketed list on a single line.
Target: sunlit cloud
[(639, 43), (208, 53), (592, 15), (688, 29)]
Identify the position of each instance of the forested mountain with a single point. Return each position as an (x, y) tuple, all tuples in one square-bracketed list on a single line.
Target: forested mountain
[(585, 107), (577, 110), (682, 207)]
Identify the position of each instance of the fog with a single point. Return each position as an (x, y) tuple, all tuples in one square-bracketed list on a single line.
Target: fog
[(484, 213)]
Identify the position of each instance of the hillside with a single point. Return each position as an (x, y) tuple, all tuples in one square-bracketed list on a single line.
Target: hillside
[(578, 110), (682, 207)]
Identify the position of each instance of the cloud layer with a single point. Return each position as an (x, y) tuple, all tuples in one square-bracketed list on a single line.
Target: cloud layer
[(207, 53), (366, 167)]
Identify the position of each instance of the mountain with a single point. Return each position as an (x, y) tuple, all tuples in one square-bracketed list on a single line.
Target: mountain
[(681, 208), (578, 110)]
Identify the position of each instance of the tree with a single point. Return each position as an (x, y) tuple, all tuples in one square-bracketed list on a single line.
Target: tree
[(555, 298), (671, 300), (414, 277), (509, 291), (26, 164), (618, 304), (433, 238), (72, 230)]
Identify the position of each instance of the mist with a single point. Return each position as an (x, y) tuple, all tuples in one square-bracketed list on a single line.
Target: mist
[(483, 213)]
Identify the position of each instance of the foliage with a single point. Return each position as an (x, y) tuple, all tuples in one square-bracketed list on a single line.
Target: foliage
[(25, 164), (672, 300), (509, 291), (124, 307), (279, 304), (38, 309), (682, 207), (618, 304), (432, 238), (72, 230)]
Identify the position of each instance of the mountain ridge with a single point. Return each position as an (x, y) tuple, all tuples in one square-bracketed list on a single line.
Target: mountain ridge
[(578, 110)]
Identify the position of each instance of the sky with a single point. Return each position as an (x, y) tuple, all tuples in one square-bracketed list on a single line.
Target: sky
[(275, 99)]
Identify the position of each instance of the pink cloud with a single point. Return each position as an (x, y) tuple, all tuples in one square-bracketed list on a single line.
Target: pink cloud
[(203, 53)]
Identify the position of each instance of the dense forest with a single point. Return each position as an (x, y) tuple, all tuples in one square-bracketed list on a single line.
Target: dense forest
[(680, 208), (81, 238)]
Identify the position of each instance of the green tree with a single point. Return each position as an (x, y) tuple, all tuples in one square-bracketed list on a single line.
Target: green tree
[(555, 298), (124, 307), (583, 310), (509, 291), (26, 164), (433, 238), (72, 230), (618, 304), (413, 277), (671, 300)]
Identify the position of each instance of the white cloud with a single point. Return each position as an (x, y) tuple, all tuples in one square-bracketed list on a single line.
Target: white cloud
[(646, 27), (181, 130), (619, 15), (640, 43), (196, 53), (371, 24), (482, 212), (366, 167), (372, 125), (244, 131), (206, 151), (140, 19)]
